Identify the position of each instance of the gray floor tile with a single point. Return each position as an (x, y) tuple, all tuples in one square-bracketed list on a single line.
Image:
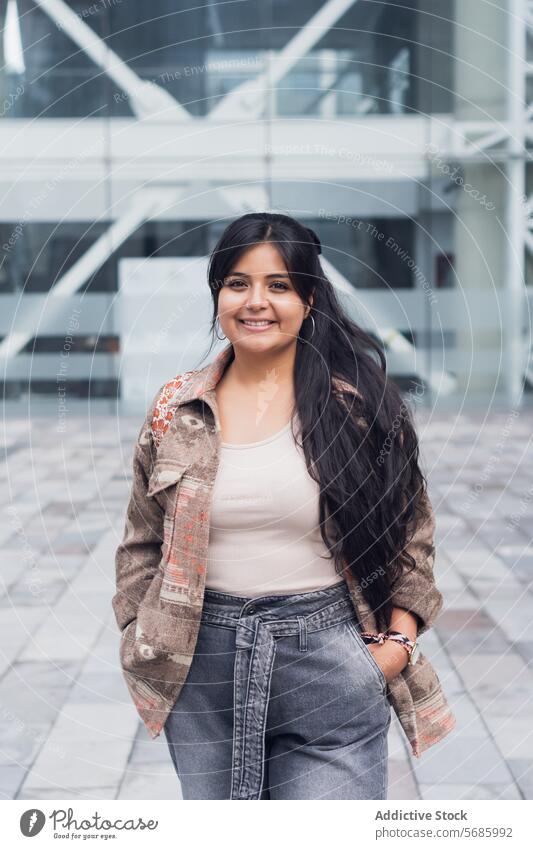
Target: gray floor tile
[(463, 760), (67, 725), (70, 793), (434, 792), (150, 780), (522, 770), (11, 778)]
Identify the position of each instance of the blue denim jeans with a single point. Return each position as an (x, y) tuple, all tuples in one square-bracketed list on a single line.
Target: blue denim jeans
[(283, 700)]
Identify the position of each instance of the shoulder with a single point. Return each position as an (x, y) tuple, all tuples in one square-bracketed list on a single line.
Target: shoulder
[(165, 402)]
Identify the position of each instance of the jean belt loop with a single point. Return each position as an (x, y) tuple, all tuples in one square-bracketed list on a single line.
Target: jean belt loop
[(302, 634)]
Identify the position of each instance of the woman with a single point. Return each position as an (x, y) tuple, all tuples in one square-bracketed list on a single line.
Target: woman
[(282, 537)]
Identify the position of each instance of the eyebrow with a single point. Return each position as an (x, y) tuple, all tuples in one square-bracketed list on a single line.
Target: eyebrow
[(243, 274)]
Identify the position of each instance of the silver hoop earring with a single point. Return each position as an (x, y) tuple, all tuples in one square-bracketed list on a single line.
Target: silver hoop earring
[(313, 320), (216, 334)]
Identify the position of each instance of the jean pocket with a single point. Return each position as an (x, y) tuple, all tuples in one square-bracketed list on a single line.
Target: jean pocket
[(353, 628)]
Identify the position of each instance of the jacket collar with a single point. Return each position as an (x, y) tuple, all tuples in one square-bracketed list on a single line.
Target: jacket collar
[(195, 384), (198, 383)]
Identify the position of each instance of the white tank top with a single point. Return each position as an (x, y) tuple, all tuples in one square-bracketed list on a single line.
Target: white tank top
[(264, 537)]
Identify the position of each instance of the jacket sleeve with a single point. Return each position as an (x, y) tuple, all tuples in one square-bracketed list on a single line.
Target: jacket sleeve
[(139, 553), (416, 590)]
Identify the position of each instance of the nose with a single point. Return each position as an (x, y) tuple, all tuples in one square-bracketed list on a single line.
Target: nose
[(257, 298)]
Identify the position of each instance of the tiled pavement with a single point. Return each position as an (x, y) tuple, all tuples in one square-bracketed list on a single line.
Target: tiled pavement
[(67, 726)]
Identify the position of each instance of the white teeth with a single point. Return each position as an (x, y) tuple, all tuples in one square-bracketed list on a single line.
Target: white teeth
[(257, 323)]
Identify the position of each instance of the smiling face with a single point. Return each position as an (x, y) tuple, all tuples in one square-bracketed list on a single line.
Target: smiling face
[(258, 289)]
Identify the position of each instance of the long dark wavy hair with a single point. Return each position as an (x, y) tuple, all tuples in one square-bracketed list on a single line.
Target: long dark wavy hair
[(362, 449)]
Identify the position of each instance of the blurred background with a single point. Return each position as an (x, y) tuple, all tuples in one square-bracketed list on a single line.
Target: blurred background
[(399, 131), (130, 135)]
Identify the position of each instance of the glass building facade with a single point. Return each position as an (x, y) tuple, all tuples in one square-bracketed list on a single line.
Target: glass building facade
[(131, 136)]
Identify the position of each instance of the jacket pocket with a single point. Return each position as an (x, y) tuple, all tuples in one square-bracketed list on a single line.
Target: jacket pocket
[(154, 648), (154, 657), (165, 473), (352, 625)]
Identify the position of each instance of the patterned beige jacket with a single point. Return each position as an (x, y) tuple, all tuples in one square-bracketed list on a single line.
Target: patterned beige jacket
[(161, 564)]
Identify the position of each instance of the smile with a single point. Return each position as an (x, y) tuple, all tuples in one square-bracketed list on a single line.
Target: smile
[(256, 325)]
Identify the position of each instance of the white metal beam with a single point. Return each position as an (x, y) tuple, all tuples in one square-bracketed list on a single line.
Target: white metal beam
[(516, 233), (147, 99), (248, 99), (441, 383), (244, 198), (12, 41), (142, 207), (502, 133), (483, 143)]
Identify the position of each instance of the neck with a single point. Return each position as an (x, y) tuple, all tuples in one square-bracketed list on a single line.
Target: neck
[(269, 367)]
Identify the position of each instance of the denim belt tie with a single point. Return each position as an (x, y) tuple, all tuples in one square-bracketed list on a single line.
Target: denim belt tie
[(254, 659)]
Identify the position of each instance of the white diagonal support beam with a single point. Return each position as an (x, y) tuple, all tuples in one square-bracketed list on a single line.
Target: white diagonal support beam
[(147, 99), (485, 142), (441, 383), (244, 198), (146, 204), (248, 99)]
